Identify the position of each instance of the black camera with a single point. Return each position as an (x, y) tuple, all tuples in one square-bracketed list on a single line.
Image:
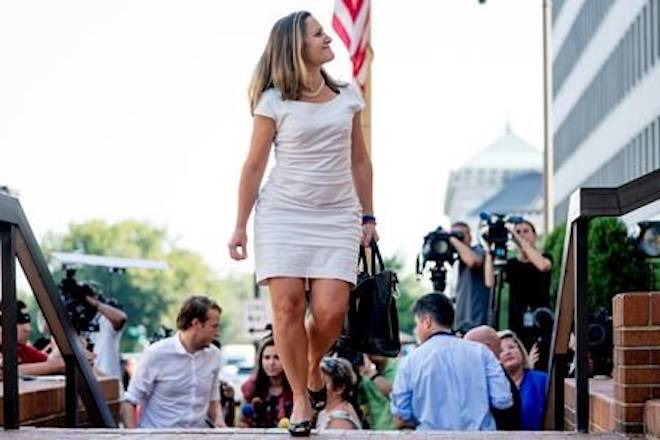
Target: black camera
[(342, 349), (494, 231), (600, 340), (74, 295), (438, 249), (161, 332)]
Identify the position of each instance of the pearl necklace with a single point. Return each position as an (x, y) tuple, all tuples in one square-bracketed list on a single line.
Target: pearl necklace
[(315, 93)]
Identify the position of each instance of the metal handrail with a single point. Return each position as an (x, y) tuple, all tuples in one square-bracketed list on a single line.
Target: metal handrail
[(585, 204), (18, 241)]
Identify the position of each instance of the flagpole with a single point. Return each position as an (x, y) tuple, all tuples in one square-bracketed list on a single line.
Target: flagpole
[(548, 150), (366, 113)]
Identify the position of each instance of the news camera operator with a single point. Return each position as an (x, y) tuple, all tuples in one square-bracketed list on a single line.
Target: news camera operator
[(528, 277), (111, 322), (471, 293), (95, 318)]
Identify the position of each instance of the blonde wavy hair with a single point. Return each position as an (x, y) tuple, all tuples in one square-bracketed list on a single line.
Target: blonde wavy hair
[(281, 65), (510, 334)]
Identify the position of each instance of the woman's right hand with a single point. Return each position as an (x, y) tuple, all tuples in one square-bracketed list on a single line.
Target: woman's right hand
[(238, 245)]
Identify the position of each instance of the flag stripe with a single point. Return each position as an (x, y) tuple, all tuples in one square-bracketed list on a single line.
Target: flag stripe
[(341, 31), (353, 7), (351, 21)]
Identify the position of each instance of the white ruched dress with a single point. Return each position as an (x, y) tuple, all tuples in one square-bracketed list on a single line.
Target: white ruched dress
[(308, 216)]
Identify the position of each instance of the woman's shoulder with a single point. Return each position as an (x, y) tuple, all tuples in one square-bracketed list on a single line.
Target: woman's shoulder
[(249, 387), (346, 413), (353, 94), (536, 374), (535, 378), (271, 94)]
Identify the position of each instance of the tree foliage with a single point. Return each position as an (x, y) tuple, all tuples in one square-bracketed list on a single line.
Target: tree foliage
[(149, 297), (410, 289), (614, 264)]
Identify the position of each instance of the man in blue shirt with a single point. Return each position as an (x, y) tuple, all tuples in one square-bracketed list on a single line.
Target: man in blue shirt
[(447, 383)]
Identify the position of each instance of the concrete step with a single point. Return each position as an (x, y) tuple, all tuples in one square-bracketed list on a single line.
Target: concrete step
[(28, 433)]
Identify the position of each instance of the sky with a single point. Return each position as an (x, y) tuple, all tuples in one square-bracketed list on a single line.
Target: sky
[(137, 109)]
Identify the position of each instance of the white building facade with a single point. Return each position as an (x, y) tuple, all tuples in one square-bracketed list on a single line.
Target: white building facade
[(487, 182), (606, 95)]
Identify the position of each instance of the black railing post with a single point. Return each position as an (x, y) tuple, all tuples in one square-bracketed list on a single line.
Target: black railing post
[(70, 392), (580, 260), (559, 371), (9, 357)]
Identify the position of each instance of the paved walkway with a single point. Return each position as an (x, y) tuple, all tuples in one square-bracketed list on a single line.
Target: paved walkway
[(28, 433)]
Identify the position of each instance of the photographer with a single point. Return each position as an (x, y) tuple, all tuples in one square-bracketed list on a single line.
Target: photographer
[(378, 373), (472, 294), (528, 276), (111, 321)]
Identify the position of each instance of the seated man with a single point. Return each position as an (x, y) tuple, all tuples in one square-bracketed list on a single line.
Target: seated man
[(508, 419), (447, 383)]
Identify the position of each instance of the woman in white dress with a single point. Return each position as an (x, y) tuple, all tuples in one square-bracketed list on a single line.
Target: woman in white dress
[(315, 209)]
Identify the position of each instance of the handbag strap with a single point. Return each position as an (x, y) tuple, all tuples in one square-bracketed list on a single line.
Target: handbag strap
[(375, 256)]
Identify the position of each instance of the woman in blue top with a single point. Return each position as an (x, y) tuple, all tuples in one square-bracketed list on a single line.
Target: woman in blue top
[(531, 383)]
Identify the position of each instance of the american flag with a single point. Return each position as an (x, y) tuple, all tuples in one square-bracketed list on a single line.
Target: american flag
[(351, 21)]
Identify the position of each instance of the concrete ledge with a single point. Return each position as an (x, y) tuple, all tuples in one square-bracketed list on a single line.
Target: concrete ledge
[(279, 434), (652, 417), (602, 406)]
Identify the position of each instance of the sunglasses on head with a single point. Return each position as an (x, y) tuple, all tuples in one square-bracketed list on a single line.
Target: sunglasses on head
[(331, 365)]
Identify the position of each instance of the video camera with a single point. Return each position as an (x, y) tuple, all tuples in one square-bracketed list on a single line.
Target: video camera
[(437, 249), (74, 295), (161, 332), (600, 341), (493, 230)]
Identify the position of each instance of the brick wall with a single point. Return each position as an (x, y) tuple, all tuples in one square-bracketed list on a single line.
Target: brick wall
[(636, 322)]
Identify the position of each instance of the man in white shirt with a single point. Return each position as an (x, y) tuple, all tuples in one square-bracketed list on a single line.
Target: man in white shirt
[(176, 381)]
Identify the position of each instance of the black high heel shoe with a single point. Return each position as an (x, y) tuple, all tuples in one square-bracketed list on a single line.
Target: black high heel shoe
[(318, 398), (300, 429)]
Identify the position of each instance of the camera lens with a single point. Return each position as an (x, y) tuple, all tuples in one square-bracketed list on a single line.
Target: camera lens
[(441, 246)]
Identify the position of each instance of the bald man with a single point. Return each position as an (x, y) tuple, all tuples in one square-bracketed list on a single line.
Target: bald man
[(505, 419)]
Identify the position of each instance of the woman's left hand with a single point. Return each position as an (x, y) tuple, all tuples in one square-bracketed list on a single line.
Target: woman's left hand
[(534, 355), (369, 233)]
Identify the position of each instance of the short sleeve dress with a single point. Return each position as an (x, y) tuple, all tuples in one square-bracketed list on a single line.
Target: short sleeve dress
[(307, 215)]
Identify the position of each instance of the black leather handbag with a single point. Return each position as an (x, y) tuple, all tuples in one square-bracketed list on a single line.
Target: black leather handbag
[(372, 321)]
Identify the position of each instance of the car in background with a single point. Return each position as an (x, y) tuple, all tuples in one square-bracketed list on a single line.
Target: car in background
[(237, 365)]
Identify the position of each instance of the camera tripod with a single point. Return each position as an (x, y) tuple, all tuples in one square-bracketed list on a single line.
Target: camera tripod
[(495, 298), (439, 277)]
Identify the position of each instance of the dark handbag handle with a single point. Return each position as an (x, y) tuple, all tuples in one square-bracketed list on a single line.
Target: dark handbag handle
[(375, 254)]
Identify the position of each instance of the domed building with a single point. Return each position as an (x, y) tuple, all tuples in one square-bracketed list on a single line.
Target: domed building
[(505, 177)]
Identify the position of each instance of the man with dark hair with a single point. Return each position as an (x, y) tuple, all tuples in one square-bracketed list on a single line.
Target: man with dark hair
[(471, 293), (176, 381), (446, 383), (528, 276)]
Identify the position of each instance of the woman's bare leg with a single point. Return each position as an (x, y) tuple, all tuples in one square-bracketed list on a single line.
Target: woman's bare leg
[(328, 304), (288, 300)]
